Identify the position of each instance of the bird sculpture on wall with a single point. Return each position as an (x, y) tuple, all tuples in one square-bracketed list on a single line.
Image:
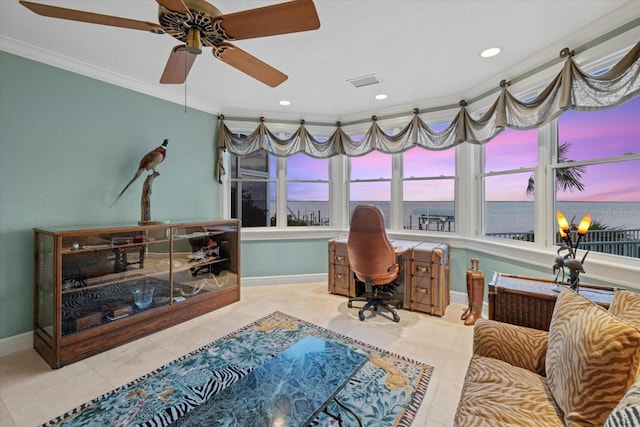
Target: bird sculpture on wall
[(149, 162)]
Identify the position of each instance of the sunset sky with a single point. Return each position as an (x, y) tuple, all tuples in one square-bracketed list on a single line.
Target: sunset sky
[(606, 133)]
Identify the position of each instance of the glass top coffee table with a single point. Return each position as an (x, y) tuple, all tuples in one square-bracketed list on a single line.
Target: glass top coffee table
[(291, 389)]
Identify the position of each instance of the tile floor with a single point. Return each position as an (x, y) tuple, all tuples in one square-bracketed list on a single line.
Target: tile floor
[(32, 393)]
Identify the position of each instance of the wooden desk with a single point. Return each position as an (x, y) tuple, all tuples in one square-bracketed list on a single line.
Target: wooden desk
[(529, 301), (424, 284)]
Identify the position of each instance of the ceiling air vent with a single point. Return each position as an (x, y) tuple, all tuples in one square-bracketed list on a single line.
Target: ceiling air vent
[(371, 79)]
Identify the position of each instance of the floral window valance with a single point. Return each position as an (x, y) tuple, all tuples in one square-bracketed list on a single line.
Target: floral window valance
[(571, 89)]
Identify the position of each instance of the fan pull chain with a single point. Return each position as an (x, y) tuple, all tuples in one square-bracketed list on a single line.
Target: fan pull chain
[(185, 84)]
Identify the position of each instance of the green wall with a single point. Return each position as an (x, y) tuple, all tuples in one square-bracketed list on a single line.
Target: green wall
[(284, 257), (68, 144)]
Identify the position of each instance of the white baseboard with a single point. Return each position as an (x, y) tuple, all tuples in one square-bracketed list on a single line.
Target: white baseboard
[(16, 343), (458, 297), (25, 341), (461, 298), (283, 280)]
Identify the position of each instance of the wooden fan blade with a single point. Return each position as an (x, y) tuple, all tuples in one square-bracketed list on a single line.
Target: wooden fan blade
[(283, 18), (175, 6), (92, 18), (249, 64), (178, 66)]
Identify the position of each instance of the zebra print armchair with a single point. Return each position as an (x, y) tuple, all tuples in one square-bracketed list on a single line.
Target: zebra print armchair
[(584, 371)]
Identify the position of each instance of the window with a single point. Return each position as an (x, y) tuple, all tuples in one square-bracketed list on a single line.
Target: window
[(428, 189), (257, 192), (371, 182), (603, 150), (307, 191), (510, 159), (252, 188)]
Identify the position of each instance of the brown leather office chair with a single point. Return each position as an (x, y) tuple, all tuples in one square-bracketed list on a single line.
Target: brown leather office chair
[(373, 260)]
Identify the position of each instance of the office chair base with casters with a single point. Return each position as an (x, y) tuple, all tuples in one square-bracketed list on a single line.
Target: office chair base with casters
[(379, 296)]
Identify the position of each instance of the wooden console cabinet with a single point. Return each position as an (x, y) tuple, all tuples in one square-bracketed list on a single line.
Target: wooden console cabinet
[(425, 274), (86, 281), (529, 301)]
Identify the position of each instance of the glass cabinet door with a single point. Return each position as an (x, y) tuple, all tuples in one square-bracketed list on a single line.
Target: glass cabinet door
[(46, 282), (204, 259), (109, 276)]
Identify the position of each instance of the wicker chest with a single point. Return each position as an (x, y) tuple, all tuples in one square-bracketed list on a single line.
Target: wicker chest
[(528, 301)]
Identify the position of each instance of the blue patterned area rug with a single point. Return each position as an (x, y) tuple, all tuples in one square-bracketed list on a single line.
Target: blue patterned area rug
[(386, 391)]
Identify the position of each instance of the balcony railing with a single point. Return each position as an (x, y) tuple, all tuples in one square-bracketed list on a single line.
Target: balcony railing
[(614, 242)]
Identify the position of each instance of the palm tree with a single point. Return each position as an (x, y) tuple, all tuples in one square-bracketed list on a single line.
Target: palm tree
[(567, 179)]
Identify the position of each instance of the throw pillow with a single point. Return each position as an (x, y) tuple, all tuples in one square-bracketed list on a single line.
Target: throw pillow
[(626, 306), (627, 413), (590, 359)]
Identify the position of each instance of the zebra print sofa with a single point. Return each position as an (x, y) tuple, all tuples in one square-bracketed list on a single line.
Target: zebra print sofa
[(584, 372)]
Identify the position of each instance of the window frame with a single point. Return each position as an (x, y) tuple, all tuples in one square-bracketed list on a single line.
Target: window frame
[(282, 220), (595, 161)]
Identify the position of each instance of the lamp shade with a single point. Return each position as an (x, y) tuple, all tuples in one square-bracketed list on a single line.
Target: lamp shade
[(563, 225), (584, 225)]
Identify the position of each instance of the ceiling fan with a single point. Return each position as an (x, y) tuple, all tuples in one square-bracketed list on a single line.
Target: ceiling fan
[(196, 23)]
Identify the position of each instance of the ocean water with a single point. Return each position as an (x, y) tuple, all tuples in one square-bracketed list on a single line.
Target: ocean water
[(502, 217)]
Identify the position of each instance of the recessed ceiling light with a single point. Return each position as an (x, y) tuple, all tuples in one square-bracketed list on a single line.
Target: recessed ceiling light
[(492, 51), (381, 96), (284, 103)]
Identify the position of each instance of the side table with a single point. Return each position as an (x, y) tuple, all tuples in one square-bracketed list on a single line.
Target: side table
[(529, 301)]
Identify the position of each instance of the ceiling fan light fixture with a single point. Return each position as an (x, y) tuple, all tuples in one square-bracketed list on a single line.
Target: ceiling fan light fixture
[(492, 51), (197, 22), (194, 43)]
